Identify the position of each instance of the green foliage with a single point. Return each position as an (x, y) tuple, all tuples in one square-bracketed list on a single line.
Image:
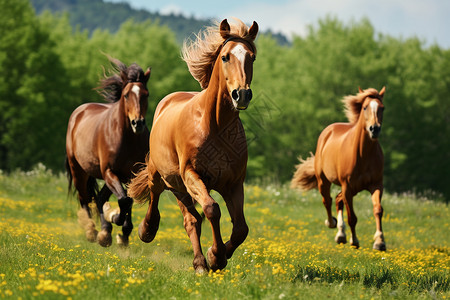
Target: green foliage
[(305, 82), (49, 68)]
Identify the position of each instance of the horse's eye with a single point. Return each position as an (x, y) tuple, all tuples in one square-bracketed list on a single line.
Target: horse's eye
[(225, 58), (365, 107), (126, 96), (253, 57)]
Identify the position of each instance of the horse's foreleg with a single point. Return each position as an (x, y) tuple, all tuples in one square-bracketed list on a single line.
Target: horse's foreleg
[(217, 253), (116, 216), (379, 243), (340, 237), (193, 225), (324, 188), (235, 205), (351, 216), (127, 228)]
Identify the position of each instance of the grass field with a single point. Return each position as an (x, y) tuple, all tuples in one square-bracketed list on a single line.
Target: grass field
[(289, 253)]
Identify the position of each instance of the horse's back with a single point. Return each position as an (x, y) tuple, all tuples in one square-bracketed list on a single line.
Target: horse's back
[(330, 152), (174, 101), (81, 136)]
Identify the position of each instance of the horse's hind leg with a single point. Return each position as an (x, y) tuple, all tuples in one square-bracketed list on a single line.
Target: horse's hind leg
[(340, 237), (351, 216), (324, 188), (84, 214), (193, 226), (104, 236)]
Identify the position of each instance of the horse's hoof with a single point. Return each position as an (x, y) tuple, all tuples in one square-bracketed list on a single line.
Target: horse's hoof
[(340, 239), (122, 240), (104, 238), (380, 246), (91, 235), (200, 265), (215, 262), (332, 225), (144, 234), (354, 243), (109, 213)]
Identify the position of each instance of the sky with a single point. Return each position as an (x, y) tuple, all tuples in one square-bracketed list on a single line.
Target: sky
[(428, 20)]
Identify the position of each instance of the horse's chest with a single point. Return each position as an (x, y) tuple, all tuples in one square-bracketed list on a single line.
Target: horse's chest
[(222, 157)]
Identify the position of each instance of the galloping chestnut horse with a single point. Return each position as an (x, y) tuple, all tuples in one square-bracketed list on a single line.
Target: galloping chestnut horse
[(105, 141), (349, 155), (197, 142)]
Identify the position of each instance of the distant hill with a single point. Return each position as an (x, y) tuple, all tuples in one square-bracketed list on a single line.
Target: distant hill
[(93, 14)]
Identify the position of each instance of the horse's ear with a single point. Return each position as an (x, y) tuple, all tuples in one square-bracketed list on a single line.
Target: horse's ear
[(225, 29), (124, 77), (381, 93), (360, 90), (253, 31), (147, 75)]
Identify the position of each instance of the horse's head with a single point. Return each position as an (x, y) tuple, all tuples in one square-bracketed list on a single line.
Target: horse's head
[(373, 113), (237, 56), (135, 96)]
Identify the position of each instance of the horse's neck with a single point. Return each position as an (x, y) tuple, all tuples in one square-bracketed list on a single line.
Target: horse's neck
[(117, 116), (363, 143), (216, 102)]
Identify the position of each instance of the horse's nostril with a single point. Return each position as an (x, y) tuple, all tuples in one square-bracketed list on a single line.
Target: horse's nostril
[(133, 122), (249, 95), (235, 95)]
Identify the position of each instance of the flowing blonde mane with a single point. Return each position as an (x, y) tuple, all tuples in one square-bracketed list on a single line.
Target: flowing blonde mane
[(201, 53), (353, 103)]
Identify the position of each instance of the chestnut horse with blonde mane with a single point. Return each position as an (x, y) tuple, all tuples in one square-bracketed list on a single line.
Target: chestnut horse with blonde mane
[(105, 141), (349, 155), (198, 143)]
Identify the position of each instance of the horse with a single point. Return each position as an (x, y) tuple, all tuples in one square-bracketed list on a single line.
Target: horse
[(197, 142), (349, 155), (106, 141)]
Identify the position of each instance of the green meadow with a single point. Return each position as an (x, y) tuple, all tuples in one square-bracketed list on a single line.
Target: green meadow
[(289, 253)]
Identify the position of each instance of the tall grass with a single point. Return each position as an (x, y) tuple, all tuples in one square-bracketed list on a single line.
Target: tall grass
[(289, 252)]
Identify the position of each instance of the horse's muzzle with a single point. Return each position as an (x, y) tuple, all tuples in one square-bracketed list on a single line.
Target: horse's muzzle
[(241, 98), (374, 131), (138, 125)]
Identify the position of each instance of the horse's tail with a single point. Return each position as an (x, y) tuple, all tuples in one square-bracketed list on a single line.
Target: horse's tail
[(138, 188), (304, 176), (69, 176)]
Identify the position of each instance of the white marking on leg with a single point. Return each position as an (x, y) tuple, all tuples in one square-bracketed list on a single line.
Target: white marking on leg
[(340, 236), (135, 89), (240, 52)]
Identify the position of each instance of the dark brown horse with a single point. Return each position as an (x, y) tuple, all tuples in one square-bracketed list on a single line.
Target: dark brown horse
[(105, 141), (349, 155), (197, 142)]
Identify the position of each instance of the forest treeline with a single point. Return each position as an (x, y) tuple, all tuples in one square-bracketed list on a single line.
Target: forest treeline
[(47, 68)]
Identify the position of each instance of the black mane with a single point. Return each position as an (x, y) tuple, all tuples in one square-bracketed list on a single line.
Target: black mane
[(111, 87)]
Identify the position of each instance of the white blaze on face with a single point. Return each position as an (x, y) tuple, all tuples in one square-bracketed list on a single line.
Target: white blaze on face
[(374, 106), (135, 89), (240, 52)]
